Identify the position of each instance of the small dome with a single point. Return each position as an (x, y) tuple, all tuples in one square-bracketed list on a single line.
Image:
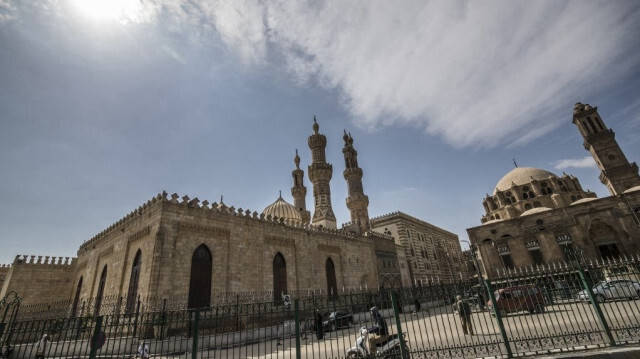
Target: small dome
[(521, 176), (632, 189), (281, 209), (583, 200), (535, 210), (493, 221)]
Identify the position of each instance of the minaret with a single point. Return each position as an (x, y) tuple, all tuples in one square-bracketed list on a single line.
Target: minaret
[(357, 201), (299, 191), (320, 173), (616, 171)]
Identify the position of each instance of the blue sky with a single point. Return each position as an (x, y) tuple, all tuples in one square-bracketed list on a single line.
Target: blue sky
[(104, 104)]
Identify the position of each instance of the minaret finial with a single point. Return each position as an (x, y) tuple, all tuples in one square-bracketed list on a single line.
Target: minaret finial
[(220, 198)]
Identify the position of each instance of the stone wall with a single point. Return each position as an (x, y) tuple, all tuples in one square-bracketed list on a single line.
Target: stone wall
[(39, 279)]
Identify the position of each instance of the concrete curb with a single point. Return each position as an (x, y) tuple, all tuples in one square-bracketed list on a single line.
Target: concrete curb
[(605, 353)]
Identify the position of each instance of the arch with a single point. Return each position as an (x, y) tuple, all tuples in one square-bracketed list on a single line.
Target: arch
[(386, 283), (397, 282), (605, 238), (279, 277), (100, 294), (76, 298), (132, 293), (200, 280), (332, 286)]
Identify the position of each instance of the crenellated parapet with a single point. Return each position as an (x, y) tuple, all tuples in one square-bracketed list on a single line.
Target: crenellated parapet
[(23, 259), (214, 207)]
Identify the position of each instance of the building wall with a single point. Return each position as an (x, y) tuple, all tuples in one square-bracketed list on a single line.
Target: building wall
[(243, 246), (589, 225), (38, 279), (431, 253)]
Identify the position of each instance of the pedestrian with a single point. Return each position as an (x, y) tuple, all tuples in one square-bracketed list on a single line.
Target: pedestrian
[(319, 326), (143, 350), (378, 333), (464, 311), (42, 347)]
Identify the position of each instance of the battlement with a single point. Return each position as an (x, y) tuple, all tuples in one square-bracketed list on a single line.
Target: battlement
[(23, 259), (220, 208), (5, 265)]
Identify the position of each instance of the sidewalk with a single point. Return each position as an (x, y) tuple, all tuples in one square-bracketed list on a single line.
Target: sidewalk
[(604, 353)]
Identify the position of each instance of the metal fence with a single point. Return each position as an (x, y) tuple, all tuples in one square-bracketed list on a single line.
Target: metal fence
[(526, 312)]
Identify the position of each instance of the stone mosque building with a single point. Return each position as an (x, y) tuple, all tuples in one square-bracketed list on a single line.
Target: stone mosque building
[(180, 246), (534, 216)]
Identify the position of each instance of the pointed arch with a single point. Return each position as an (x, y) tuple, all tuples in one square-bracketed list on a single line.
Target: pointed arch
[(76, 298), (100, 294), (200, 280), (132, 293), (332, 285), (279, 277)]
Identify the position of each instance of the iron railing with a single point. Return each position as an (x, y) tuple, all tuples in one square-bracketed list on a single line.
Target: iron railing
[(568, 307)]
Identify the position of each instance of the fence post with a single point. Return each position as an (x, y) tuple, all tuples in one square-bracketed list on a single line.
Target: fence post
[(396, 314), (95, 337), (297, 327), (196, 322), (135, 320), (596, 307), (503, 332)]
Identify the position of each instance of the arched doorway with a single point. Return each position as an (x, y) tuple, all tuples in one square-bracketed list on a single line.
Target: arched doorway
[(132, 293), (279, 277), (76, 298), (332, 286), (100, 294), (200, 280), (605, 239)]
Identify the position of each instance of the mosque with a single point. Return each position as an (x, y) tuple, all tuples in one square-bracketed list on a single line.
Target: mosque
[(180, 246), (534, 216)]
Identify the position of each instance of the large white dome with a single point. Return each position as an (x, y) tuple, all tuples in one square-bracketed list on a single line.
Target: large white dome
[(521, 176)]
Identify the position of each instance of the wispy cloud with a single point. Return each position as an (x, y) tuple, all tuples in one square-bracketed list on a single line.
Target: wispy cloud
[(585, 162), (479, 74)]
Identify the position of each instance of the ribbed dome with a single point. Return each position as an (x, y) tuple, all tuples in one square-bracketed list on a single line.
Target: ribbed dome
[(521, 176), (281, 209)]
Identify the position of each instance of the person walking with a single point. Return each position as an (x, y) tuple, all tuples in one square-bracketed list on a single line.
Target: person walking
[(143, 350), (464, 311), (378, 333), (41, 350)]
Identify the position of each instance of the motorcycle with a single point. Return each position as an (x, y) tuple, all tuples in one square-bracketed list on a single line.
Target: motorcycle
[(390, 348)]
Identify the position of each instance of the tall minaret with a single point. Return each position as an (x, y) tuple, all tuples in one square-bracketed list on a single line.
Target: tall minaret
[(320, 173), (616, 171), (357, 201), (299, 191)]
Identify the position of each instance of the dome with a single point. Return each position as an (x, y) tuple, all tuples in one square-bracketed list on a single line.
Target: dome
[(535, 210), (583, 200), (521, 176), (281, 209), (632, 189)]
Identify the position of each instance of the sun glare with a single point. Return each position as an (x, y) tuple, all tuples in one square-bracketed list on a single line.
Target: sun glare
[(119, 10)]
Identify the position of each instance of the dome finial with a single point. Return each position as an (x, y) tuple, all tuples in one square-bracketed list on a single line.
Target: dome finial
[(296, 160), (515, 163), (280, 193)]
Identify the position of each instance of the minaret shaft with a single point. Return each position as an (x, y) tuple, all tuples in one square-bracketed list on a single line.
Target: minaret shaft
[(615, 170), (357, 201), (320, 173)]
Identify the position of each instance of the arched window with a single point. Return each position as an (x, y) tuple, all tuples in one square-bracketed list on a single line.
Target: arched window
[(100, 294), (200, 281), (132, 293), (279, 278), (76, 298), (332, 286)]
